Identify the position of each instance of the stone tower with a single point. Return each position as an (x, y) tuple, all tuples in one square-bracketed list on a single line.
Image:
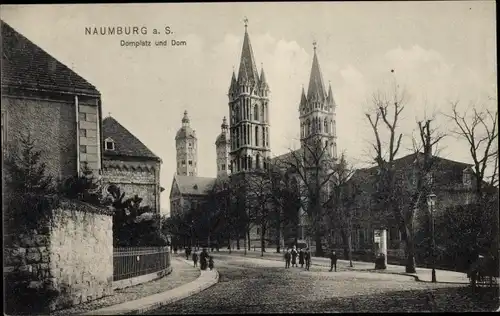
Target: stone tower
[(186, 146), (222, 146), (249, 114), (317, 112)]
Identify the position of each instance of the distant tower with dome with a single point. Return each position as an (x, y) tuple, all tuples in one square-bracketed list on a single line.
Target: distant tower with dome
[(186, 145), (222, 147)]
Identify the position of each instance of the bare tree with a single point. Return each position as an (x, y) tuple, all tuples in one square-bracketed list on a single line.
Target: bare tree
[(341, 201), (480, 130), (413, 187), (286, 201), (313, 165), (259, 194), (387, 111)]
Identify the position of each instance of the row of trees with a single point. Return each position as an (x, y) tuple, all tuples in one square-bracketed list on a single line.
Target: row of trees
[(33, 194)]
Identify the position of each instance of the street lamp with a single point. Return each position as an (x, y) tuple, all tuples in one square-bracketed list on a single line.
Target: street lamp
[(431, 201)]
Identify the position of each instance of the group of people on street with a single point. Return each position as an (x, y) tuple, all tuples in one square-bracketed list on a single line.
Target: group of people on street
[(305, 258), (204, 257)]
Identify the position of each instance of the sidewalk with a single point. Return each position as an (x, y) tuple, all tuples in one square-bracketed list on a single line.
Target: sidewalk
[(139, 297), (423, 274), (205, 280)]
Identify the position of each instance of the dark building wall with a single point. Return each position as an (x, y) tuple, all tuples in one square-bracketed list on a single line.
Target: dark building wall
[(52, 125)]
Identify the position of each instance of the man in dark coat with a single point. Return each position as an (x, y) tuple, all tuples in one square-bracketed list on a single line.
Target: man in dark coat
[(294, 254), (203, 259), (307, 256), (301, 257), (333, 261), (211, 263), (287, 258), (195, 259)]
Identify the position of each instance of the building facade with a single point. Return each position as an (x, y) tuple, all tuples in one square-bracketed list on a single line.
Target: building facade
[(52, 105), (130, 165), (451, 183)]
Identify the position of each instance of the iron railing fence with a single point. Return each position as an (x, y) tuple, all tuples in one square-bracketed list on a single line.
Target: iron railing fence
[(131, 262)]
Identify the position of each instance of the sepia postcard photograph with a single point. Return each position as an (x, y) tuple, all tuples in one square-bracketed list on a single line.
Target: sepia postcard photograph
[(250, 157)]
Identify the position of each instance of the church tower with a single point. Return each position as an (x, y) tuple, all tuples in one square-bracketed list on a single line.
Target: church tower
[(317, 112), (249, 114), (186, 145), (222, 147)]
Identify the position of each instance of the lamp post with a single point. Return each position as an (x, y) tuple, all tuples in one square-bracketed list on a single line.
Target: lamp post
[(431, 201)]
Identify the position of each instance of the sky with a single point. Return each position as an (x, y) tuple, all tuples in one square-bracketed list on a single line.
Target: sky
[(440, 52)]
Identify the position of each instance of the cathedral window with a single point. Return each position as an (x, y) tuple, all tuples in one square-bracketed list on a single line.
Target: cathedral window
[(184, 162), (263, 136), (109, 144), (223, 167), (256, 136), (309, 130), (263, 111), (190, 162), (256, 112), (326, 126), (4, 129), (257, 161), (267, 137)]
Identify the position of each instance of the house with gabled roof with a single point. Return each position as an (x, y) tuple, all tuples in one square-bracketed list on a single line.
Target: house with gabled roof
[(44, 99), (130, 165)]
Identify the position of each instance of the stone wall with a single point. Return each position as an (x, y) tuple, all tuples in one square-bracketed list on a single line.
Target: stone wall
[(68, 260), (135, 177)]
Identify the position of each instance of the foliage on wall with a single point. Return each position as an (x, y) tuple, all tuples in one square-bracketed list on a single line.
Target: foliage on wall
[(134, 225)]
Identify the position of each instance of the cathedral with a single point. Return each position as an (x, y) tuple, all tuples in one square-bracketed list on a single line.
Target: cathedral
[(244, 141)]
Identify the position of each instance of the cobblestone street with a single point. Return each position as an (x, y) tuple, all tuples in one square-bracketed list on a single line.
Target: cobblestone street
[(258, 286)]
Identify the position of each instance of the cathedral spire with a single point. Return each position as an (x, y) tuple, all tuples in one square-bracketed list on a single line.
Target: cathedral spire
[(248, 70), (316, 86), (262, 80), (233, 84), (303, 99), (330, 95)]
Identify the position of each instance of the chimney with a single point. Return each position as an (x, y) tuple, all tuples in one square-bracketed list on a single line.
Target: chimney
[(52, 66)]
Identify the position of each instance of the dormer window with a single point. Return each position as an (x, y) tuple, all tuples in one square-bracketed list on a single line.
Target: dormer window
[(109, 144), (467, 177)]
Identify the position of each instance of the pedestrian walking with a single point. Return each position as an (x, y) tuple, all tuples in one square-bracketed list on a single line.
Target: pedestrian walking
[(211, 263), (301, 257), (294, 256), (287, 259), (333, 261), (307, 257), (195, 258), (203, 259)]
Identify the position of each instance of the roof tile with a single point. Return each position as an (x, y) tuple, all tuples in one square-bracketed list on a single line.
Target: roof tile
[(24, 64)]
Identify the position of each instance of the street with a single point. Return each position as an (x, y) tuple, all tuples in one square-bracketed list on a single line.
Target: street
[(250, 285)]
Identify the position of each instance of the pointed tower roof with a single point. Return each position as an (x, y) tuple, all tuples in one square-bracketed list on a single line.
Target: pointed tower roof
[(316, 85), (233, 84), (303, 99), (262, 79), (330, 99), (248, 70)]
